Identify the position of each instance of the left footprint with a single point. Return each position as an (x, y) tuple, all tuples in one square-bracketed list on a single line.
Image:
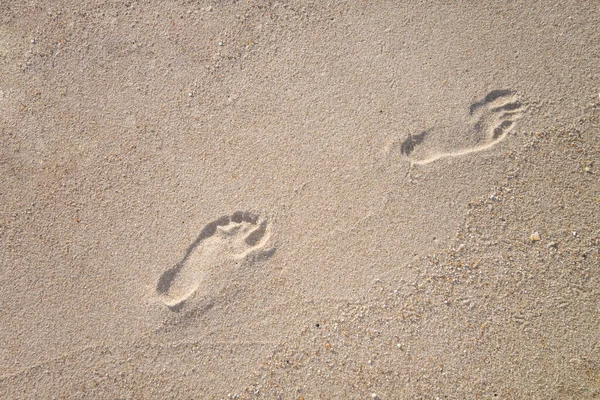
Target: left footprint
[(211, 259)]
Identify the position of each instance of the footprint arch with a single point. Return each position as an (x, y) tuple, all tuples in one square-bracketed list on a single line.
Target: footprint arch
[(214, 257)]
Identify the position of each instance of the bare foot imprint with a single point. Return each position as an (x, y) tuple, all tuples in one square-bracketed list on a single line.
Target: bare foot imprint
[(213, 258), (491, 119)]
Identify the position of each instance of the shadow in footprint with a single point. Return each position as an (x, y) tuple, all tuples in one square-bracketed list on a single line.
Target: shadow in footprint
[(408, 146), (490, 97), (225, 241)]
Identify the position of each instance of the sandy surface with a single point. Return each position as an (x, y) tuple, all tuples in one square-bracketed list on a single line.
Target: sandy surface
[(264, 199)]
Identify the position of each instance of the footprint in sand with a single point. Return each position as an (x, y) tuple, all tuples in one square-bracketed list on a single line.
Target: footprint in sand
[(212, 260), (490, 121)]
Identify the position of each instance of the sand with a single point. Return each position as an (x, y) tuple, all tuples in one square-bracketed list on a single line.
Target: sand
[(299, 200)]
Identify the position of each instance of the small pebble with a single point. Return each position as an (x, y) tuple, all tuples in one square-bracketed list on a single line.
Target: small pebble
[(535, 236), (220, 43), (552, 245)]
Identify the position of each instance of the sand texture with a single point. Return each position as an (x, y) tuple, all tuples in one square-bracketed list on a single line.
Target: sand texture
[(300, 200)]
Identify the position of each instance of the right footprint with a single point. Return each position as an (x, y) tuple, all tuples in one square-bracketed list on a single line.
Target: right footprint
[(490, 121), (212, 259)]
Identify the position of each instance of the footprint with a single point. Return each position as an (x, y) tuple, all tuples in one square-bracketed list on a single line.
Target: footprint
[(212, 260), (490, 120)]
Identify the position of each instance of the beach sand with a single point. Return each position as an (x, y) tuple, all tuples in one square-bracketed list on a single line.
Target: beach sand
[(290, 200)]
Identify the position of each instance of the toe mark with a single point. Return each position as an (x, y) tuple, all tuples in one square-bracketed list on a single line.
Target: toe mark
[(508, 107), (256, 235), (490, 97), (244, 216), (500, 129)]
